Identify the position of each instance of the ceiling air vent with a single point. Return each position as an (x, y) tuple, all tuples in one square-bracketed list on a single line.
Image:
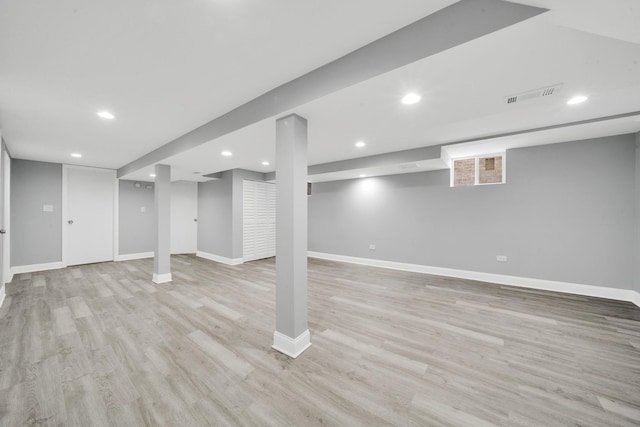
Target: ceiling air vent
[(533, 94)]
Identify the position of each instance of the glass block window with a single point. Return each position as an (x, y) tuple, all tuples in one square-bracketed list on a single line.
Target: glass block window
[(490, 170), (464, 172), (478, 170)]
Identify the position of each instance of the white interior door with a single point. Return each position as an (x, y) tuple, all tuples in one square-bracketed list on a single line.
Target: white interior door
[(259, 220), (88, 219), (5, 225), (184, 213)]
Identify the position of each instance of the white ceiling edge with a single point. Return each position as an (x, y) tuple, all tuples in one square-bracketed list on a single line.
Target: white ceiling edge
[(177, 174), (619, 126), (394, 169), (596, 129)]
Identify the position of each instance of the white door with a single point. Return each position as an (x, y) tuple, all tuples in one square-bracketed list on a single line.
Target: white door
[(184, 213), (6, 179), (259, 220), (88, 219)]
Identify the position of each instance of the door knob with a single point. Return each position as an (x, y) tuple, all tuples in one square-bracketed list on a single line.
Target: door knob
[(3, 231), (70, 222), (195, 219)]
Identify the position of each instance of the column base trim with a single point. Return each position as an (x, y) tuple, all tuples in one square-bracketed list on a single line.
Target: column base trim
[(635, 298), (161, 278), (292, 347), (218, 258), (2, 294)]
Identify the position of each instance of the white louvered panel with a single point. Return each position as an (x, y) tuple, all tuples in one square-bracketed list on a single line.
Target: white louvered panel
[(259, 212)]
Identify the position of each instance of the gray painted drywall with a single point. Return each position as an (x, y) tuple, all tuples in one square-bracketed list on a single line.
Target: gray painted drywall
[(565, 214), (451, 26), (36, 235), (162, 224), (637, 214), (291, 226), (220, 213), (215, 216), (135, 227)]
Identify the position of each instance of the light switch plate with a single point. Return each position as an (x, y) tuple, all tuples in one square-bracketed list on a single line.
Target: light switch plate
[(47, 208)]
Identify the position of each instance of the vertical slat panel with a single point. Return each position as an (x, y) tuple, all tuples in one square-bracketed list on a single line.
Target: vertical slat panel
[(259, 212)]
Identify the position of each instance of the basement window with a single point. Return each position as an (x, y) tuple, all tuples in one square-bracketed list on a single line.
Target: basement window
[(478, 170)]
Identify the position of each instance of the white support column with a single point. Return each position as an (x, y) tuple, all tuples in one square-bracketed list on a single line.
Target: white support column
[(292, 335), (162, 248)]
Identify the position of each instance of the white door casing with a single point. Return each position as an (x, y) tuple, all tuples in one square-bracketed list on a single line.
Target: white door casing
[(88, 217)]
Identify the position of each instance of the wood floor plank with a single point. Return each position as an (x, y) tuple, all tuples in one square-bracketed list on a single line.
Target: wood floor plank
[(79, 308), (102, 345), (63, 321), (219, 352)]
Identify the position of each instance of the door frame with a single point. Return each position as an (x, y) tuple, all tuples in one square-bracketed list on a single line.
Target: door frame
[(65, 241)]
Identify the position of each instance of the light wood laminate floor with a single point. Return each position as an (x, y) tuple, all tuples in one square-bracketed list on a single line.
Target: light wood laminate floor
[(102, 345)]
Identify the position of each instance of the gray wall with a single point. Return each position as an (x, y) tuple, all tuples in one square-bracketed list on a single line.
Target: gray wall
[(220, 213), (637, 216), (566, 214), (36, 236), (214, 215), (135, 227)]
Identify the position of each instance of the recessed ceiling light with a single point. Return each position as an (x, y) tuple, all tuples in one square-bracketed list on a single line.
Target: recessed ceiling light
[(227, 153), (411, 98), (360, 144), (76, 155), (362, 175), (106, 115), (577, 100), (152, 175), (265, 163)]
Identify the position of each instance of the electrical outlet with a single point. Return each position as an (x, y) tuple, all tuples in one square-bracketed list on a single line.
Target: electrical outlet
[(501, 258), (143, 209), (372, 247)]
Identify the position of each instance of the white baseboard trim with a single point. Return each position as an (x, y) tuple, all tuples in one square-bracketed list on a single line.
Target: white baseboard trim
[(501, 279), (636, 298), (292, 347), (218, 258), (130, 257), (19, 269), (161, 278), (2, 294)]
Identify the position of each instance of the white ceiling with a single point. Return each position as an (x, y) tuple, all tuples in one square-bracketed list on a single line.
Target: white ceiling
[(165, 68)]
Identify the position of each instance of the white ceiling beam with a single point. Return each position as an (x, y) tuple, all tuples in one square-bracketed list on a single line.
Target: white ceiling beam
[(454, 25)]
